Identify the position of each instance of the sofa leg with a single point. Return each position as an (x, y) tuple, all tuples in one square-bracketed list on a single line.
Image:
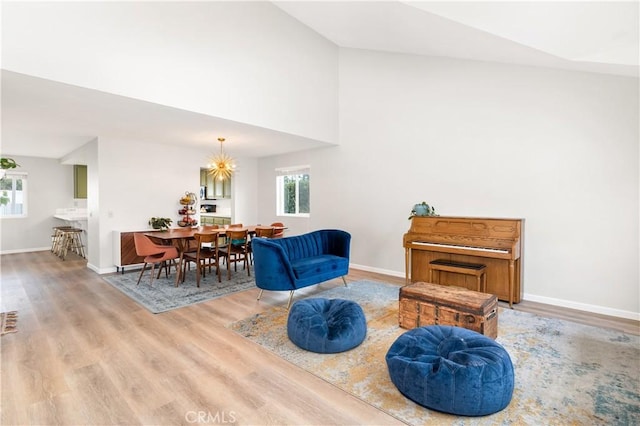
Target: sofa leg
[(260, 294), (344, 281), (290, 299)]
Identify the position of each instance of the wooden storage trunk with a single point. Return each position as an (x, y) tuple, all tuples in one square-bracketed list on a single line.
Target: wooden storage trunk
[(424, 304)]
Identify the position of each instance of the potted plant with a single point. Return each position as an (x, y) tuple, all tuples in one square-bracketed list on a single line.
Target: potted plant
[(423, 209), (161, 223), (7, 163)]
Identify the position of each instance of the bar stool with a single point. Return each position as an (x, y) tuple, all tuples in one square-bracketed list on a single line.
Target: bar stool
[(70, 240), (56, 237)]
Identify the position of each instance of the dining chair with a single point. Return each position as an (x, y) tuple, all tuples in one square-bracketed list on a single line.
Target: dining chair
[(211, 228), (205, 255), (236, 250), (278, 233), (226, 237), (260, 232), (265, 231), (154, 254), (191, 244)]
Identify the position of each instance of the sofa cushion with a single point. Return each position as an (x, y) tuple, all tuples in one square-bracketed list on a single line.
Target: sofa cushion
[(317, 265)]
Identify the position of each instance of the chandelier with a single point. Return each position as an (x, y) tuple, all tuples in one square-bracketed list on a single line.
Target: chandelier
[(221, 166)]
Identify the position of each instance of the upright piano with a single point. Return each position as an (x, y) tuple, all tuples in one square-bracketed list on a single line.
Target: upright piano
[(496, 243)]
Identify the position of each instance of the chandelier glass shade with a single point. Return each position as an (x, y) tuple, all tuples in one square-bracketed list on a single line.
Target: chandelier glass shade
[(221, 166)]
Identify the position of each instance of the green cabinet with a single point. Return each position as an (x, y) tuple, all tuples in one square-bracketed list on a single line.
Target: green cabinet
[(79, 181), (215, 220), (222, 221), (215, 188)]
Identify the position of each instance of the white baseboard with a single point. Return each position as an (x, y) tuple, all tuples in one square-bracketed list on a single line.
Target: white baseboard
[(377, 270), (534, 298), (25, 250), (115, 268), (603, 310), (101, 271)]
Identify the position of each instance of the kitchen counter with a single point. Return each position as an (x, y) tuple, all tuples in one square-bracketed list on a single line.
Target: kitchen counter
[(70, 218), (71, 215)]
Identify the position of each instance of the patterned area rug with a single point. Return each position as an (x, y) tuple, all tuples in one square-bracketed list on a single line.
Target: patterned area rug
[(565, 373), (8, 321), (164, 295)]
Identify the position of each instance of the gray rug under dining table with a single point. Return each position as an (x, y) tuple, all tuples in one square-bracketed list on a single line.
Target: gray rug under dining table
[(164, 296)]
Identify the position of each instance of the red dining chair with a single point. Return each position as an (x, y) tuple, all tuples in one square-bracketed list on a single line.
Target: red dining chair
[(153, 254)]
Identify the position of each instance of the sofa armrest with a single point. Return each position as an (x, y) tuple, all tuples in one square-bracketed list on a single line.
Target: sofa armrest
[(272, 268), (339, 242)]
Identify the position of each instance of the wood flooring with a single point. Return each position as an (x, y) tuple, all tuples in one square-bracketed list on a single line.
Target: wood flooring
[(86, 354)]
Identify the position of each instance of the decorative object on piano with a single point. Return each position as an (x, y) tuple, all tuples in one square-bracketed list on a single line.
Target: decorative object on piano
[(161, 223), (221, 166), (423, 209)]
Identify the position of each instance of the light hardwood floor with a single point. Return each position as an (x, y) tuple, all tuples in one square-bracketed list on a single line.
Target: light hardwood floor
[(86, 354)]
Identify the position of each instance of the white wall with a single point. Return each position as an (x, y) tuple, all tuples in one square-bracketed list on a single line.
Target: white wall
[(139, 181), (128, 183), (49, 186), (244, 200), (243, 61), (557, 148)]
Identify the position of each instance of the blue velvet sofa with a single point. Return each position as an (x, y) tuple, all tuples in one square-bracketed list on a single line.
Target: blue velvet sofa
[(290, 263)]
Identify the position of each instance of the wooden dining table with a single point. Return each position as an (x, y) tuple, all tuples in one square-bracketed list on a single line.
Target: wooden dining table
[(180, 237)]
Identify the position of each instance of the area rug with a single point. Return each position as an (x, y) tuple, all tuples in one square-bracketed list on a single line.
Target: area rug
[(8, 322), (164, 296), (565, 373)]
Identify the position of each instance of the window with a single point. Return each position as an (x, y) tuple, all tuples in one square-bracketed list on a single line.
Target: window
[(292, 188), (13, 195)]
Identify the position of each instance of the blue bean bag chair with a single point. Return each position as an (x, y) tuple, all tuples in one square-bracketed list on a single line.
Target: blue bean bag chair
[(326, 325), (451, 369)]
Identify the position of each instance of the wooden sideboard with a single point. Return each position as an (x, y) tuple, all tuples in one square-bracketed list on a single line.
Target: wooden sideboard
[(124, 250)]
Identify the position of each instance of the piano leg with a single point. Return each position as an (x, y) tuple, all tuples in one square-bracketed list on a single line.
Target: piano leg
[(512, 280), (407, 264)]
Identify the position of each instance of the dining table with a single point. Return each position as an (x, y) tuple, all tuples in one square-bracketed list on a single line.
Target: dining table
[(180, 237)]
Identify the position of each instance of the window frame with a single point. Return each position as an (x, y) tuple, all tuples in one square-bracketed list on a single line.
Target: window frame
[(292, 172), (11, 206)]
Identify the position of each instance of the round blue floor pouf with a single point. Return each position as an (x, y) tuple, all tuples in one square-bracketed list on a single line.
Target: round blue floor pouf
[(326, 325), (452, 369)]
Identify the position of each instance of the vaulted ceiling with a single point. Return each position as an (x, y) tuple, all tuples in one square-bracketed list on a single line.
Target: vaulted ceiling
[(597, 37), (585, 36)]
